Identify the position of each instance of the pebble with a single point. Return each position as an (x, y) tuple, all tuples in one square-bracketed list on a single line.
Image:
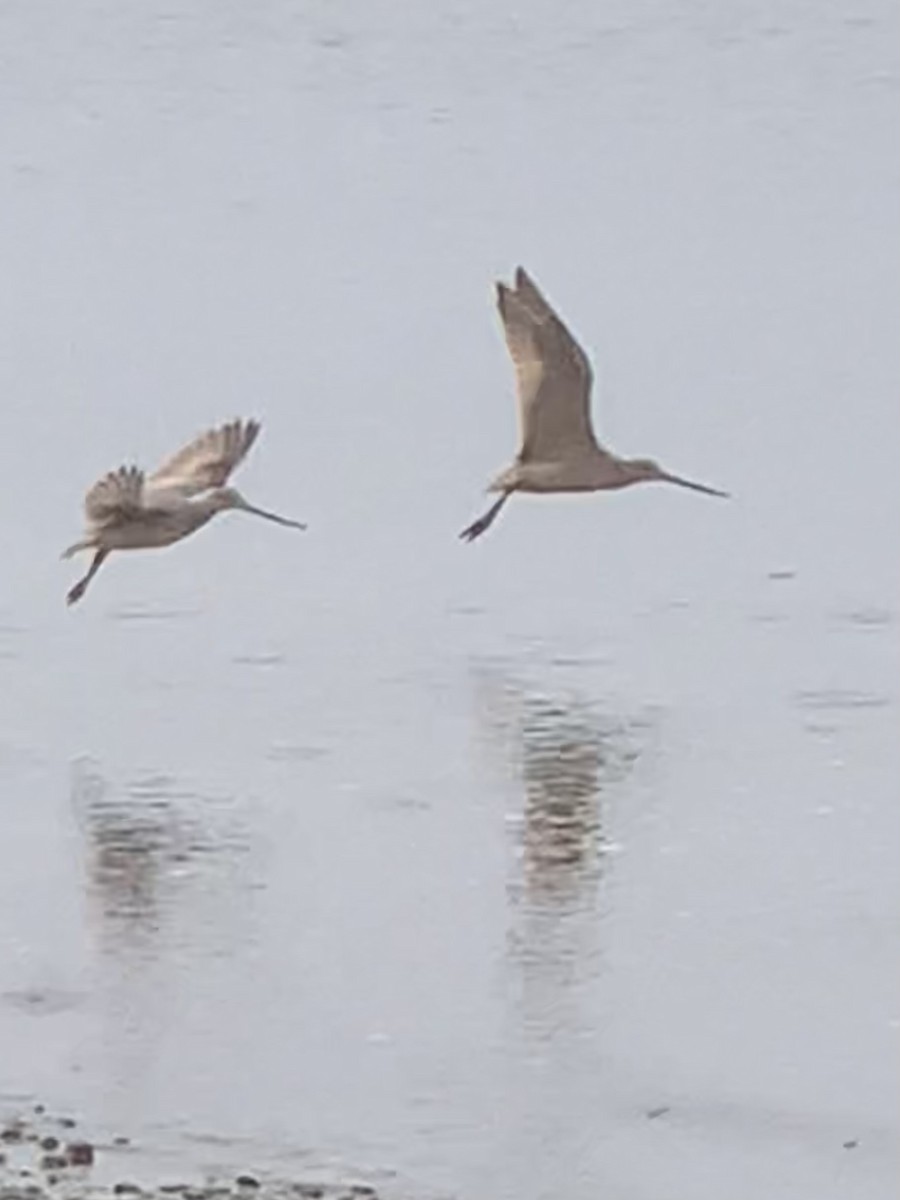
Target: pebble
[(49, 1144), (80, 1154), (247, 1181)]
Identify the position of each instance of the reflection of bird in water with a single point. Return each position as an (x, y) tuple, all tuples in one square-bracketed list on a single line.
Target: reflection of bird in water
[(151, 858), (566, 756), (131, 847), (567, 760), (562, 760), (166, 885)]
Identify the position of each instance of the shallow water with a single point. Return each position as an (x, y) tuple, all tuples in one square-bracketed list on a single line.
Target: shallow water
[(561, 864)]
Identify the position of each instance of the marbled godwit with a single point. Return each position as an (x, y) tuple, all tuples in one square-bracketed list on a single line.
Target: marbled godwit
[(558, 451), (126, 511)]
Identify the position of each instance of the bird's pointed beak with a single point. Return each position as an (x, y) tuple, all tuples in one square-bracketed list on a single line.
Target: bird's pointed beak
[(270, 516), (695, 487)]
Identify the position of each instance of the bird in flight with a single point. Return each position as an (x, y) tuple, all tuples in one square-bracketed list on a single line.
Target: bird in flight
[(558, 451), (127, 510)]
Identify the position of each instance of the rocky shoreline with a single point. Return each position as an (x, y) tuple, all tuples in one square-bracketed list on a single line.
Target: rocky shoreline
[(46, 1157)]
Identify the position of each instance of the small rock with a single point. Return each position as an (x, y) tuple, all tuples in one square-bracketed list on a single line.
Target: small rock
[(121, 1141), (49, 1144), (851, 1144), (653, 1113), (12, 1132), (126, 1189), (39, 1109), (53, 1162), (362, 1190), (247, 1181), (80, 1154)]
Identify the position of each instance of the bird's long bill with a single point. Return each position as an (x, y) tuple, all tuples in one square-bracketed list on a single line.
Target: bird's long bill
[(695, 487), (270, 516)]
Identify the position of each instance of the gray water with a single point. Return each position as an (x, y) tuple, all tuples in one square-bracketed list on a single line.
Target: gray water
[(561, 865)]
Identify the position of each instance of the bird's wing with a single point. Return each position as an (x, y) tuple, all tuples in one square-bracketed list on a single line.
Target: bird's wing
[(553, 375), (116, 498), (207, 461)]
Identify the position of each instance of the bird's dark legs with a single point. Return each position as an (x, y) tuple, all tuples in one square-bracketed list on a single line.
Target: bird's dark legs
[(76, 592), (477, 528)]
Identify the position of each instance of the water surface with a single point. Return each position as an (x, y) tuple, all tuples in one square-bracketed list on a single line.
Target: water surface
[(564, 864)]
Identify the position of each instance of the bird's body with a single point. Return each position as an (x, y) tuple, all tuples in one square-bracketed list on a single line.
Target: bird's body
[(127, 510), (584, 472), (558, 451)]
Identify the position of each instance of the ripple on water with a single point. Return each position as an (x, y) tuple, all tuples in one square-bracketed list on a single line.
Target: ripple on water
[(146, 612), (839, 700)]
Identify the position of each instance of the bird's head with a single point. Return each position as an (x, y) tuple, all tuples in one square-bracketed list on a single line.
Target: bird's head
[(224, 498), (641, 469), (227, 497), (645, 470)]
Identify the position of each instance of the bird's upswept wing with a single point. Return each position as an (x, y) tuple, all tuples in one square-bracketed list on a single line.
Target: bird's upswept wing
[(207, 461), (553, 375), (116, 498)]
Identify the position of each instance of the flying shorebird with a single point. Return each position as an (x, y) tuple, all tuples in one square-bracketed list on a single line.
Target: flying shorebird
[(558, 451), (126, 511)]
